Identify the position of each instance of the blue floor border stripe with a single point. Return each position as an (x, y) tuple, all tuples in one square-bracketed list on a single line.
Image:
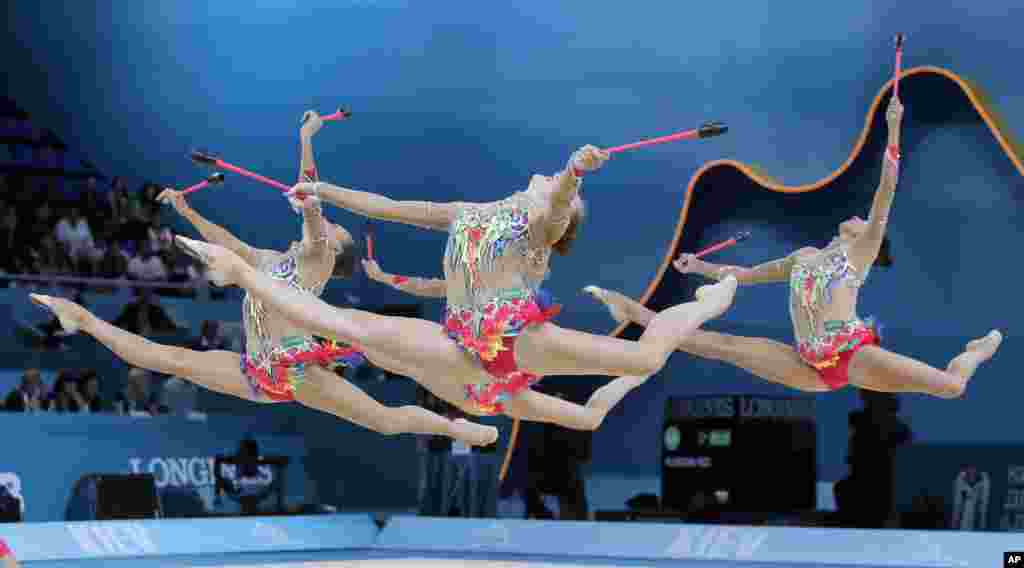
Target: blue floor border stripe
[(568, 542)]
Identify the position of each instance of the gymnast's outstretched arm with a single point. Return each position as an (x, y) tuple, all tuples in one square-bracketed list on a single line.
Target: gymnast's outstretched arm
[(311, 124), (210, 231), (422, 287), (775, 271), (566, 189), (865, 249), (314, 241), (424, 214)]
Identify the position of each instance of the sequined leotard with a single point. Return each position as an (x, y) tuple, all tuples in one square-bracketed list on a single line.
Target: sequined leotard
[(822, 306), (276, 352), (494, 267)]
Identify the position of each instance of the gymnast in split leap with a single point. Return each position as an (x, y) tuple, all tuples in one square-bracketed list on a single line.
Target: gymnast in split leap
[(282, 360), (497, 339), (834, 347)]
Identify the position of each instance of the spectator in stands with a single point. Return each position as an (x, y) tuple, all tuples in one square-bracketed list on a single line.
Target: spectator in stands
[(210, 338), (120, 200), (113, 263), (147, 267), (95, 207), (144, 317), (15, 255), (105, 228), (159, 239), (247, 486), (12, 504), (135, 398), (65, 396), (155, 237), (50, 258), (37, 228), (89, 388), (75, 234), (28, 396), (132, 221), (149, 206), (182, 267)]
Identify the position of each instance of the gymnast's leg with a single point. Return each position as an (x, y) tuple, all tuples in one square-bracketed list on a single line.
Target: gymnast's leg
[(327, 392), (768, 359), (539, 407), (218, 371), (548, 349), (877, 369)]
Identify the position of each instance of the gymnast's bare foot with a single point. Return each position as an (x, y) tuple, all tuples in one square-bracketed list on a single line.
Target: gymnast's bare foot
[(220, 262), (718, 297), (70, 315), (615, 302), (977, 352), (473, 434), (686, 318)]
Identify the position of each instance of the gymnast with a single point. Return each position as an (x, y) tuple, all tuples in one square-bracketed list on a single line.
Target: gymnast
[(497, 339), (282, 361), (834, 347)]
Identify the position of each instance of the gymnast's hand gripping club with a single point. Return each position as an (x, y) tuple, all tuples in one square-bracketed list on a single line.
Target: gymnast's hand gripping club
[(209, 160), (899, 63), (369, 241), (707, 130), (341, 114), (894, 150), (683, 262), (214, 179), (740, 237)]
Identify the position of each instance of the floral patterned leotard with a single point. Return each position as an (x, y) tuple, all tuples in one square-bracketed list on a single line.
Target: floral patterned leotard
[(825, 325), (494, 267)]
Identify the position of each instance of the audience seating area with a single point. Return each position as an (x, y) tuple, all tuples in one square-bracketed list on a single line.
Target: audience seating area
[(62, 217)]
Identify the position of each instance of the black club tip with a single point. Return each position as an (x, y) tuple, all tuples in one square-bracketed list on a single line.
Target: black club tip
[(709, 129), (202, 158)]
